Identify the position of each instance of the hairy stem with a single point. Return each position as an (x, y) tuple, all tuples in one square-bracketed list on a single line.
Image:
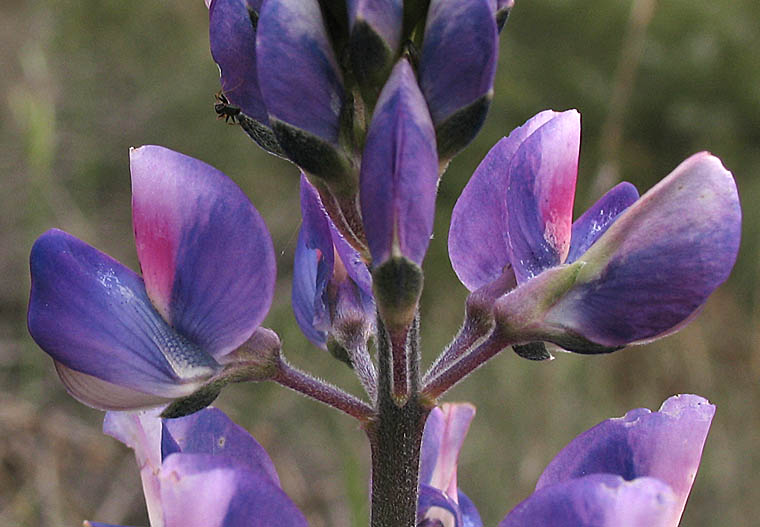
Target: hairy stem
[(395, 438), (322, 391), (364, 368), (464, 340), (445, 380)]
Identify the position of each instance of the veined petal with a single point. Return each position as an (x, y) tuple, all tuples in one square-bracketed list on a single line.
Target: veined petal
[(206, 255), (599, 500), (92, 315), (210, 431), (232, 35), (596, 220), (458, 65), (399, 173), (666, 445), (204, 490), (298, 70), (660, 259), (540, 195)]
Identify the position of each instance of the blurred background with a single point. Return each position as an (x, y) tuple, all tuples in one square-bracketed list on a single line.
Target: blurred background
[(655, 81)]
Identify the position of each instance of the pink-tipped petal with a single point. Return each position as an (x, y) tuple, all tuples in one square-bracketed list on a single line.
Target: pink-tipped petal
[(206, 256), (478, 241), (540, 196)]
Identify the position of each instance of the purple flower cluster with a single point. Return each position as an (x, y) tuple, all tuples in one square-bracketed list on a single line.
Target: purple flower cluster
[(203, 470), (371, 99)]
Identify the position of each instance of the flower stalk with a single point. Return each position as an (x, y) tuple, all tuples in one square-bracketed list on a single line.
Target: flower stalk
[(395, 437), (321, 391)]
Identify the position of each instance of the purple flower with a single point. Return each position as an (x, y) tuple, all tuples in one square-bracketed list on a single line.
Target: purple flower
[(457, 69), (203, 471), (332, 287), (626, 271), (122, 341), (626, 472)]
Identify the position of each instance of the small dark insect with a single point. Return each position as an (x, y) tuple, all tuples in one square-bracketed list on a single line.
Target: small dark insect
[(225, 110)]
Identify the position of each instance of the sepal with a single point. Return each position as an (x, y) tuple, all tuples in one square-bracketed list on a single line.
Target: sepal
[(397, 286), (375, 41), (503, 8)]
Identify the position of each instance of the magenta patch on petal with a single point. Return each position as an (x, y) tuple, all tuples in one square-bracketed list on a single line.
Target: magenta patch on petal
[(154, 191), (540, 196), (555, 184)]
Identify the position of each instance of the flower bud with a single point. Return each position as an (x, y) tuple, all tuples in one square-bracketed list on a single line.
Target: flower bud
[(457, 69), (303, 89), (375, 41), (399, 173)]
